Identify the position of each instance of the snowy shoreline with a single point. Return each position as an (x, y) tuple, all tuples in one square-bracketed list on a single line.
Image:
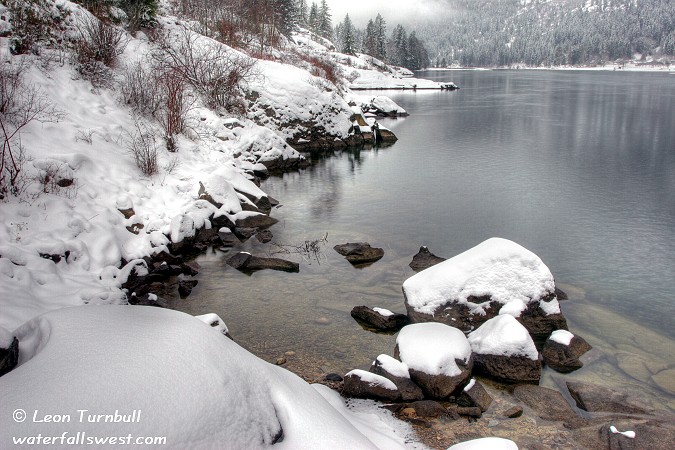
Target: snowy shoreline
[(607, 68)]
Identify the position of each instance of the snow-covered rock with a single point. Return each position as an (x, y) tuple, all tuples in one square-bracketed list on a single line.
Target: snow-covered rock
[(503, 349), (497, 276), (178, 377), (362, 384), (378, 318), (562, 351), (383, 106), (398, 373), (438, 357)]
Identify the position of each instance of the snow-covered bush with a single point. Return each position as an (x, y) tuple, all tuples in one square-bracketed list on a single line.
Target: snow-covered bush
[(97, 45), (142, 144), (34, 23)]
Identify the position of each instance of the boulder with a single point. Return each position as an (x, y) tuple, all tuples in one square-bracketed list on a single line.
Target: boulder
[(185, 287), (438, 358), (496, 277), (246, 262), (396, 371), (504, 350), (359, 252), (9, 351), (424, 259), (474, 394), (379, 318), (548, 403), (562, 351), (361, 384), (594, 398)]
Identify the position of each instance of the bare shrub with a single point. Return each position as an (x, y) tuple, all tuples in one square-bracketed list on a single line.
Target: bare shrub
[(214, 71), (176, 106), (35, 23), (96, 48), (139, 89), (85, 136), (142, 144), (20, 104)]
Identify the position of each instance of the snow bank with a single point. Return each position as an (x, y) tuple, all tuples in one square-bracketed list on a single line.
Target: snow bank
[(6, 338), (503, 335), (188, 383), (432, 348), (499, 268), (488, 443)]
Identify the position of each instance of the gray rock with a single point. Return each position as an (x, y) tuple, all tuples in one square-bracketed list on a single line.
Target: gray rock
[(549, 404), (359, 252), (355, 386), (264, 236), (594, 398), (424, 259), (408, 389), (564, 358), (374, 319), (185, 287), (475, 396), (9, 357), (244, 233), (246, 262)]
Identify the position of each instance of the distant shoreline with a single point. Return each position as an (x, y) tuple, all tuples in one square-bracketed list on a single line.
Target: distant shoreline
[(608, 68)]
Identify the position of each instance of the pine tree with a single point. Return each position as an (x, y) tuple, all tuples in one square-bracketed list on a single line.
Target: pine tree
[(301, 13), (347, 41), (380, 38), (313, 19), (325, 25), (370, 40)]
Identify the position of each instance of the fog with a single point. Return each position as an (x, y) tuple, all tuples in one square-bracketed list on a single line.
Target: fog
[(405, 12)]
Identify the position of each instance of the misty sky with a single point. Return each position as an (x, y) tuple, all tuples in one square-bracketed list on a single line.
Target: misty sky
[(393, 11)]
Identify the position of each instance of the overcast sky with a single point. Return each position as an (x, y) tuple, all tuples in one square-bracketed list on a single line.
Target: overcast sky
[(393, 11)]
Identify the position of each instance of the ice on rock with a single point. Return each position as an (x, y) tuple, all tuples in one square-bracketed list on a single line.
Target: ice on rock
[(503, 335), (432, 348), (498, 268)]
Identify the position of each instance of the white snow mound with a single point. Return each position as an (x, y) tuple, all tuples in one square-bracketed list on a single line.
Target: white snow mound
[(187, 382), (432, 348), (499, 268), (503, 335)]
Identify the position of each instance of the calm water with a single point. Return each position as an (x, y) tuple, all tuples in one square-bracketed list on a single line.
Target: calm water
[(578, 167)]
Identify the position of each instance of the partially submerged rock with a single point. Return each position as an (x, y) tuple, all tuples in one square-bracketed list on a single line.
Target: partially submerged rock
[(379, 318), (594, 398), (424, 259), (398, 373), (361, 384), (549, 404), (474, 394), (246, 262), (438, 358), (562, 351), (359, 252), (504, 350), (496, 277)]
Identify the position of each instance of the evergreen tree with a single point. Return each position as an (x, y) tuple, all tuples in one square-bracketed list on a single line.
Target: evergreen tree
[(380, 38), (325, 25), (347, 42), (369, 45), (313, 18), (301, 13)]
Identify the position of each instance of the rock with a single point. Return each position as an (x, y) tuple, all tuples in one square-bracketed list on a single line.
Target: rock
[(549, 404), (147, 299), (359, 252), (594, 398), (424, 259), (474, 394), (398, 373), (254, 220), (513, 412), (362, 384), (665, 380), (280, 361), (185, 287), (496, 277), (647, 435), (470, 411), (323, 321), (264, 236), (504, 350), (427, 408), (9, 356), (128, 213), (246, 262), (244, 233), (333, 377), (562, 351), (438, 358), (378, 318), (215, 322)]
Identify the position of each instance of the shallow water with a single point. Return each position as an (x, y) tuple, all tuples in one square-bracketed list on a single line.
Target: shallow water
[(578, 167)]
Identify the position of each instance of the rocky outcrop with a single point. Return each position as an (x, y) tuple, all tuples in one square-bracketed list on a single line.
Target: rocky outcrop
[(359, 252), (245, 262), (562, 351), (378, 318), (424, 259)]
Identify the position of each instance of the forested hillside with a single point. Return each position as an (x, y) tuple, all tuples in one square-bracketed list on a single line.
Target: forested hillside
[(552, 32)]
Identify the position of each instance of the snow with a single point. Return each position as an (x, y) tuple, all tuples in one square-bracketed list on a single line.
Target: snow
[(628, 434), (563, 337), (387, 105), (503, 335), (109, 358), (392, 366), (468, 387), (383, 312), (488, 443), (499, 268), (6, 338), (373, 379), (432, 348), (370, 79)]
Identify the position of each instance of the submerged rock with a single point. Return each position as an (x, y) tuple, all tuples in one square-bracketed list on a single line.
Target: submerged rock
[(548, 403), (359, 252), (246, 262), (594, 398), (496, 277), (378, 318)]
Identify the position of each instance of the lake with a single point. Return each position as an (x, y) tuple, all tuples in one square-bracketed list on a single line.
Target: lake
[(578, 167)]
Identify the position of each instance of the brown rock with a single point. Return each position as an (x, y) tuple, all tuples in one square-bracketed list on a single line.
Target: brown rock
[(513, 412), (564, 358), (9, 357), (594, 398), (549, 404), (377, 320), (508, 369), (408, 389), (475, 396), (424, 259), (359, 252), (355, 385), (246, 262)]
